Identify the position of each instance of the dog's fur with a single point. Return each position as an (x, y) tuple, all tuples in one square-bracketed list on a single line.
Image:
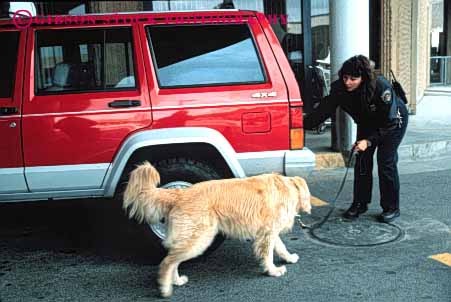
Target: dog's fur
[(259, 207)]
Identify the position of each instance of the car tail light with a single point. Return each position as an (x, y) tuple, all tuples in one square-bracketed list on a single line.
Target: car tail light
[(296, 117), (296, 138), (296, 128)]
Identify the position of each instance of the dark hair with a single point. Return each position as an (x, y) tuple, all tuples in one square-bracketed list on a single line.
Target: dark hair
[(357, 66)]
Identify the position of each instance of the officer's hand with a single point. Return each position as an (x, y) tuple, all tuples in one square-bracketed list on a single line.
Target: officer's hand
[(361, 145)]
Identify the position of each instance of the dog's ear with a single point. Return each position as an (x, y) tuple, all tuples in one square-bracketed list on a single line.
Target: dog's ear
[(304, 194)]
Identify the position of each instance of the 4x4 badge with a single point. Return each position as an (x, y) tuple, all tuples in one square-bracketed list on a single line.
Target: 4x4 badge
[(264, 94)]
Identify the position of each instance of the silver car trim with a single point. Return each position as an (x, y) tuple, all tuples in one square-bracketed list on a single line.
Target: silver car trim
[(169, 136), (100, 180), (287, 162), (12, 180), (10, 116), (66, 177), (154, 108), (147, 109), (221, 104), (299, 162), (17, 197)]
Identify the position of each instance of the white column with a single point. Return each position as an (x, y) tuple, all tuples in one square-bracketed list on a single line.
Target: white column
[(349, 36)]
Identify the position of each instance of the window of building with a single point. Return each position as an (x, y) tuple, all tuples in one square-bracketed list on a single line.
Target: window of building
[(439, 36), (84, 60), (178, 5), (199, 55), (8, 53), (72, 7)]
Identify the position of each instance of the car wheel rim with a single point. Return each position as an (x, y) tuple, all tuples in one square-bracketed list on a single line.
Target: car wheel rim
[(159, 229)]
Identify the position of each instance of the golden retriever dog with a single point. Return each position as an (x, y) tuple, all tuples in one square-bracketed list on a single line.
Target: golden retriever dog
[(259, 207)]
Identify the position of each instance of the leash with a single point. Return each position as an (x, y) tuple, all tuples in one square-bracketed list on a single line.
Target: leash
[(319, 224)]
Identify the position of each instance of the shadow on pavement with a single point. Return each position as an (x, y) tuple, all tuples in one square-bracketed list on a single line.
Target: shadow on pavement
[(98, 226)]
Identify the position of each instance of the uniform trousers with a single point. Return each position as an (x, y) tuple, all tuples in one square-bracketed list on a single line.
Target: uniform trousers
[(387, 163)]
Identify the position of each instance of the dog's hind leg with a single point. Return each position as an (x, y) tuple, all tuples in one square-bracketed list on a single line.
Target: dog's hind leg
[(182, 250), (168, 269), (177, 279), (283, 253), (264, 249)]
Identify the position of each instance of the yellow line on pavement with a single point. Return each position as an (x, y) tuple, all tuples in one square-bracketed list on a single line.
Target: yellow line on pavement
[(317, 202), (444, 258)]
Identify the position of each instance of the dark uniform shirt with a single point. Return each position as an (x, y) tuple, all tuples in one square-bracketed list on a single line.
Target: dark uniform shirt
[(373, 106)]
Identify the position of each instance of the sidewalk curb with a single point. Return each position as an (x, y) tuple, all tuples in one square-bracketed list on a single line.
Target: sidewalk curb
[(428, 150), (329, 160), (437, 92), (411, 152)]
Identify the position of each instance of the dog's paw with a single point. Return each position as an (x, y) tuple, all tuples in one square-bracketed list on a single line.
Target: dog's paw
[(166, 291), (182, 280), (292, 258), (277, 271)]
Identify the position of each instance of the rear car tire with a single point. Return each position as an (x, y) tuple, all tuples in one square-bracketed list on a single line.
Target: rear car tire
[(179, 173)]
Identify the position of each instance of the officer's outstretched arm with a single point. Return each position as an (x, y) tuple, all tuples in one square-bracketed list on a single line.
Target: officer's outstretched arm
[(325, 110)]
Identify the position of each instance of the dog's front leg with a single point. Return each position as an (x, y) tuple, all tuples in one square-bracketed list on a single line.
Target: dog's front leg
[(264, 249), (283, 253)]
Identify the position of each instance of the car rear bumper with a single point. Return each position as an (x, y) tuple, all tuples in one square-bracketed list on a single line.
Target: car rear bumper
[(286, 162)]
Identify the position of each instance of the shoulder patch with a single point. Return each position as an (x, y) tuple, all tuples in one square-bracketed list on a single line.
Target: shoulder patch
[(386, 96)]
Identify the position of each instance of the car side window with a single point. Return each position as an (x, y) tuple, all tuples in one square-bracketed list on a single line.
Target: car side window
[(205, 55), (83, 60), (8, 55)]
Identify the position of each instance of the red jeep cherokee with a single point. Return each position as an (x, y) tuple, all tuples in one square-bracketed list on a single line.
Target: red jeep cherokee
[(201, 95)]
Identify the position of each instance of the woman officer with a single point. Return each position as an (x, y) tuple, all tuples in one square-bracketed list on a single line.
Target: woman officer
[(381, 119)]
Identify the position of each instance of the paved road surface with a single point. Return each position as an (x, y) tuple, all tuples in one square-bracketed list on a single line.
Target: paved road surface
[(85, 250)]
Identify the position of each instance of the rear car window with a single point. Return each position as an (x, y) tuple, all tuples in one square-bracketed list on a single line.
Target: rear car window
[(84, 60), (200, 55), (8, 55)]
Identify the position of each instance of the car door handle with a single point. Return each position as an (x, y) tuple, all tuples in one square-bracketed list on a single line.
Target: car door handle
[(124, 103), (8, 110)]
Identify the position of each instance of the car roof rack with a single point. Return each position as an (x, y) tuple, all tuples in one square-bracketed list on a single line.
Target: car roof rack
[(166, 11)]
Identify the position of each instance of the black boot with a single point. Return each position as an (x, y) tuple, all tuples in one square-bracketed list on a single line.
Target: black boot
[(355, 210), (389, 216)]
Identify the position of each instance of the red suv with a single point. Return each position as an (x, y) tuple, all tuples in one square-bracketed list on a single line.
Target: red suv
[(201, 95)]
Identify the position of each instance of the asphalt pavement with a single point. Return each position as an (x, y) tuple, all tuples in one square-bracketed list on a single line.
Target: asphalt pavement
[(83, 250)]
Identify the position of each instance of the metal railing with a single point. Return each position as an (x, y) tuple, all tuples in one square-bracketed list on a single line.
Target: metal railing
[(440, 72)]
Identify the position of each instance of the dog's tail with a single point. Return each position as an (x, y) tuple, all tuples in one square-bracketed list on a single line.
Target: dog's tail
[(142, 197)]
